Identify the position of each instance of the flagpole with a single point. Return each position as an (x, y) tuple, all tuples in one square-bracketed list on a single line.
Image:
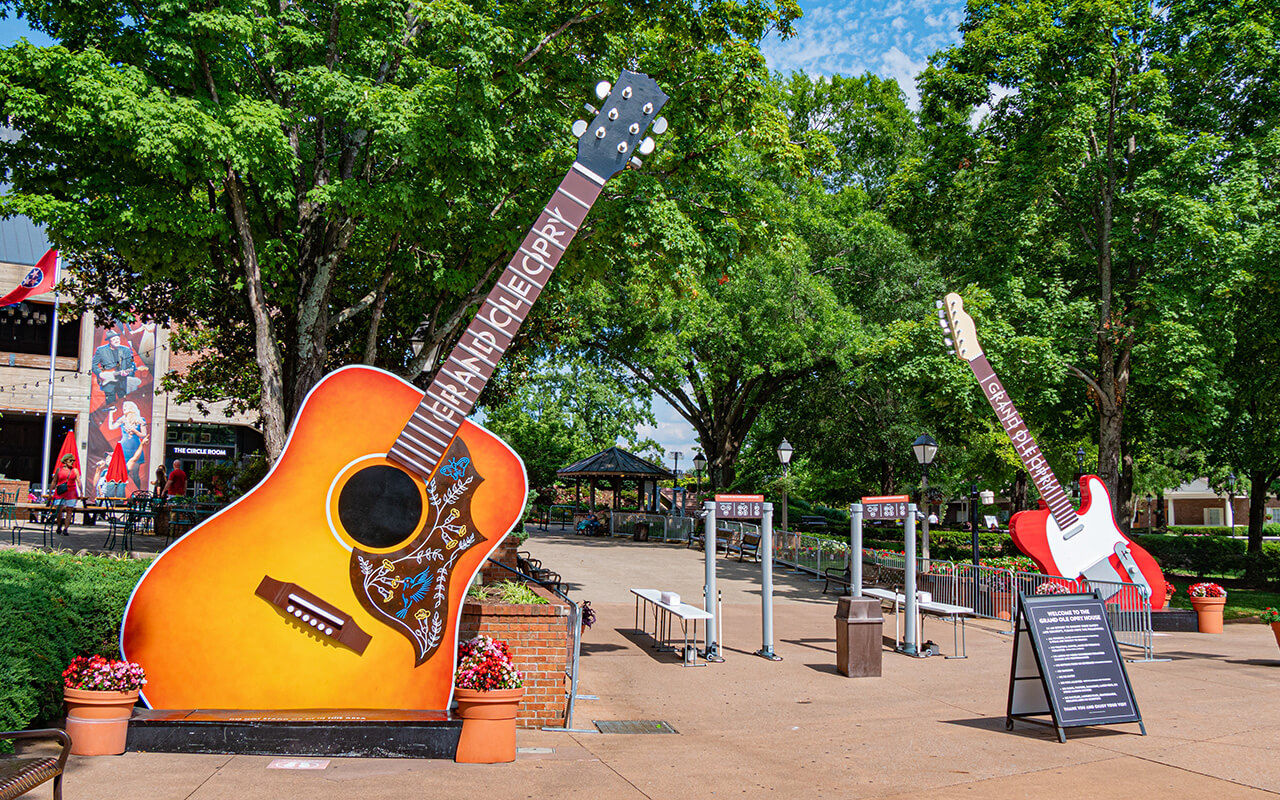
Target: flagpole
[(48, 412)]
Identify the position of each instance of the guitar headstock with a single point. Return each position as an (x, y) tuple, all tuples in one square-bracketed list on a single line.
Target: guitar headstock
[(959, 331), (619, 131)]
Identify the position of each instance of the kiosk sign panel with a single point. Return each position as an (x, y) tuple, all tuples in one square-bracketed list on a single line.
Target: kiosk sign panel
[(739, 506), (889, 506), (1066, 664)]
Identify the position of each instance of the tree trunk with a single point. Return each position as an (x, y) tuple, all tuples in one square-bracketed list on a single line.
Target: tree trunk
[(1259, 482), (275, 422), (1021, 499)]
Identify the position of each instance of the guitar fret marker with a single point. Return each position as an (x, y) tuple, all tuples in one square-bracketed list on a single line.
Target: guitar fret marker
[(427, 419)]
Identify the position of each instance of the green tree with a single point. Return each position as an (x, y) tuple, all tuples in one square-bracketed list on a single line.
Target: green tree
[(565, 411), (1084, 192), (323, 182)]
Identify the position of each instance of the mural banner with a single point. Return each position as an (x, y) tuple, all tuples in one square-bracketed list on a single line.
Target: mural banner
[(121, 399)]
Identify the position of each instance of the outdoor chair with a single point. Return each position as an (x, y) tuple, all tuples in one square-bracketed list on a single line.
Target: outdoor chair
[(43, 519), (532, 567)]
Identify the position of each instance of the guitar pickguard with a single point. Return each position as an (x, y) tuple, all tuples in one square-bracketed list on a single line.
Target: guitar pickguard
[(408, 589)]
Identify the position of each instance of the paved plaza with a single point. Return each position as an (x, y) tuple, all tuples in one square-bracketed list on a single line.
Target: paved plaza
[(797, 728)]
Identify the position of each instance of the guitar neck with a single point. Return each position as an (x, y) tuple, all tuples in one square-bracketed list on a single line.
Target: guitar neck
[(1024, 444), (458, 383)]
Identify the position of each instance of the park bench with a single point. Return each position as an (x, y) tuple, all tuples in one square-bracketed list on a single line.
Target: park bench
[(533, 567), (813, 522), (841, 575), (723, 537), (744, 544), (20, 774)]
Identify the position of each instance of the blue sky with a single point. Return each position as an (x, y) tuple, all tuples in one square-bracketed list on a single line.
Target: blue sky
[(890, 38)]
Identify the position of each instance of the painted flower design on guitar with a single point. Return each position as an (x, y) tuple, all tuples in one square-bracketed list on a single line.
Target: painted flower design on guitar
[(408, 590)]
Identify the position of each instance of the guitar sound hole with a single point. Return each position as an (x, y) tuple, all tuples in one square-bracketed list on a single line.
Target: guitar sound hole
[(380, 507)]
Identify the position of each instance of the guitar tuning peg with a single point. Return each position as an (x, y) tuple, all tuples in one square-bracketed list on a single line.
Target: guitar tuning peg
[(647, 145), (579, 127), (947, 339), (603, 88), (660, 125), (937, 304), (946, 328), (634, 163), (590, 109)]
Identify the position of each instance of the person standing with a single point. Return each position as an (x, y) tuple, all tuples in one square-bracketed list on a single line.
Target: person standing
[(176, 486), (66, 491), (161, 480)]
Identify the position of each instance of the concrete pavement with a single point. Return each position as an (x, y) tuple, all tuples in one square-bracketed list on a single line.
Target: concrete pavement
[(796, 728)]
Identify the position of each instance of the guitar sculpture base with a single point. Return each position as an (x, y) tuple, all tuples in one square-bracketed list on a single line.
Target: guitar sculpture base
[(351, 733)]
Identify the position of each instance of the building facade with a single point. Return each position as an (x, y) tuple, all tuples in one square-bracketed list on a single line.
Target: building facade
[(104, 386)]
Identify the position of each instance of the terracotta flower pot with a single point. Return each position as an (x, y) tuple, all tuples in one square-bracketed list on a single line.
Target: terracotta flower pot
[(488, 725), (1275, 628), (98, 722), (1209, 613)]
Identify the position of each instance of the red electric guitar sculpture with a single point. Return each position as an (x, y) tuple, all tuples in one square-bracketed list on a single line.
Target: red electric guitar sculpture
[(1061, 540), (337, 582)]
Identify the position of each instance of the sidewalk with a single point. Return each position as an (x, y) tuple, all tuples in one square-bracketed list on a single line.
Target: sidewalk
[(796, 728)]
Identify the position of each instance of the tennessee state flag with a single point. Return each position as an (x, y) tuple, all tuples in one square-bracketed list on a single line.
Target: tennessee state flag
[(39, 280)]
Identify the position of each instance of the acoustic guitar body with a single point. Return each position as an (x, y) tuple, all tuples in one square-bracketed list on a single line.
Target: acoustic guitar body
[(338, 581)]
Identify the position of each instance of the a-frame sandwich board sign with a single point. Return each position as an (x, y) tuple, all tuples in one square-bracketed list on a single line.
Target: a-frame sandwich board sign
[(1066, 665)]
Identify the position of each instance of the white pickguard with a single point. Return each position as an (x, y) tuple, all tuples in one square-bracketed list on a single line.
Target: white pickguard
[(1095, 542)]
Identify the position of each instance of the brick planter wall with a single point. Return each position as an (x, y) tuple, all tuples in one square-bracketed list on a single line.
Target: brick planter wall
[(539, 639)]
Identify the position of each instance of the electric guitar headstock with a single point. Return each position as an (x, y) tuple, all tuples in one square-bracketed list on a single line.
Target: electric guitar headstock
[(611, 142), (959, 331)]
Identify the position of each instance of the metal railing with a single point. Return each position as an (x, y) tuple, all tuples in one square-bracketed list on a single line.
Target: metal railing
[(661, 527), (990, 591)]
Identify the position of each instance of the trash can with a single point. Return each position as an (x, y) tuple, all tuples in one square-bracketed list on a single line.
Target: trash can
[(859, 637), (641, 532)]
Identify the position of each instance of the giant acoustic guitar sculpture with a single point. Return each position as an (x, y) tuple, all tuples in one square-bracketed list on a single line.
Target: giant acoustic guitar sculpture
[(1061, 540), (337, 582)]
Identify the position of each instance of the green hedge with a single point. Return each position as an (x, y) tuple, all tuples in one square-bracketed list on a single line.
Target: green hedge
[(1209, 556), (1205, 530), (55, 607)]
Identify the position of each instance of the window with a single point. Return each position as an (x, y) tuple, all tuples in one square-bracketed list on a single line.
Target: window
[(1213, 517)]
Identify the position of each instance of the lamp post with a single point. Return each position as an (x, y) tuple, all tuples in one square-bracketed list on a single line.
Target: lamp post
[(699, 464), (1075, 487), (784, 455), (1150, 520), (925, 448), (973, 521), (675, 482)]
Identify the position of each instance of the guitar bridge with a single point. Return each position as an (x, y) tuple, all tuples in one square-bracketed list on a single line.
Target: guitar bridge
[(327, 621)]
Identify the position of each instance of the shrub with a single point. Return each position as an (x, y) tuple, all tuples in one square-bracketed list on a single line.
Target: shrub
[(56, 607), (1210, 555)]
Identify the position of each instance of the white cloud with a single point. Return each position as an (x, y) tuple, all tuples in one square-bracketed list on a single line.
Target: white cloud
[(891, 38)]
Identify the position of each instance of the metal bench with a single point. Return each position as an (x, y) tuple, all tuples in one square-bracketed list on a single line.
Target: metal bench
[(744, 544), (21, 774)]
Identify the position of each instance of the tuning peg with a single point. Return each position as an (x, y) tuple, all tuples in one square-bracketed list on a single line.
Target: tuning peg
[(946, 328), (579, 127), (590, 109), (647, 145), (603, 88), (937, 304), (947, 339), (622, 147), (660, 125), (600, 132), (634, 163)]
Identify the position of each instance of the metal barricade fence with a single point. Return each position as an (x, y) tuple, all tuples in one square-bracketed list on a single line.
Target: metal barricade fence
[(677, 529), (990, 591)]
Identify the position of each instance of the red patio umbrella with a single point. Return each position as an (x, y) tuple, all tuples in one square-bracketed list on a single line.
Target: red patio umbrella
[(68, 446), (117, 474)]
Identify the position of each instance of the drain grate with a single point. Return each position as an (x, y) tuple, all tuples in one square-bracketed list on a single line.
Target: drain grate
[(633, 726)]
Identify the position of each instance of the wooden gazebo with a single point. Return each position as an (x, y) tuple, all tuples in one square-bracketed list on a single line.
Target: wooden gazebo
[(616, 465)]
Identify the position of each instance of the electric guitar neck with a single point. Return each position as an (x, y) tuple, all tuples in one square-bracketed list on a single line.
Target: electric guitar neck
[(961, 335)]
